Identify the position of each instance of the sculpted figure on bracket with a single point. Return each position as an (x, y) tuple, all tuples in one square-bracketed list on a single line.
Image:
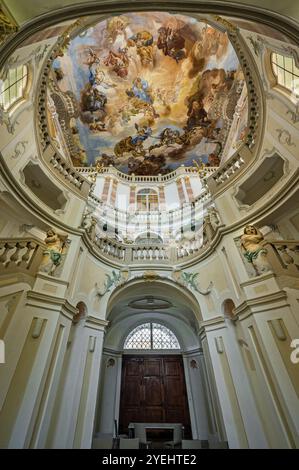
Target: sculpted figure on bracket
[(252, 243), (54, 254)]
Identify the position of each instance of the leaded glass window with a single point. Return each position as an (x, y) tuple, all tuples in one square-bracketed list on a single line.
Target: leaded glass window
[(286, 72), (13, 87), (151, 336)]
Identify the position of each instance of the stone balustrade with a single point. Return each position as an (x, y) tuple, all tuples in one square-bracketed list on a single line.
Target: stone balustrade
[(131, 254), (152, 253), (20, 255), (111, 249), (111, 170), (66, 171)]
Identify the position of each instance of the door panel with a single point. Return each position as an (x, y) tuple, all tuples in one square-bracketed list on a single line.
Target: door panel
[(152, 367), (174, 389), (153, 390)]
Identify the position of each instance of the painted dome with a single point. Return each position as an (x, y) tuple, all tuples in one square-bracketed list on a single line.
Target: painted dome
[(149, 92)]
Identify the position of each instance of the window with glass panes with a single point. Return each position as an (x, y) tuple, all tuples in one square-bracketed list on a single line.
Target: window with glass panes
[(151, 336), (12, 88), (286, 71), (147, 200)]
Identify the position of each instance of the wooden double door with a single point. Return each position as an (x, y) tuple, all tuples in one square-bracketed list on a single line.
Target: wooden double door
[(153, 390)]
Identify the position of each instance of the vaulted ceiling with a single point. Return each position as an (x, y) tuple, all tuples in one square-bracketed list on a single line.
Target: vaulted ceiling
[(153, 91), (27, 10)]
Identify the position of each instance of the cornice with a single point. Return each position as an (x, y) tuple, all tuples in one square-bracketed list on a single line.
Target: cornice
[(279, 198), (112, 352), (57, 280), (286, 25), (247, 305), (212, 324), (96, 323), (67, 309), (191, 352)]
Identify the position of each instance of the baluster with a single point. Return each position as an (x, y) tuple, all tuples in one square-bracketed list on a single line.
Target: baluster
[(29, 252), (2, 247), (295, 254), (9, 246), (287, 259), (17, 255)]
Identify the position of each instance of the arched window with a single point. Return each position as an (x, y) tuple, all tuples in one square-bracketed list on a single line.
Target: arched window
[(151, 336), (285, 71), (147, 200), (12, 89)]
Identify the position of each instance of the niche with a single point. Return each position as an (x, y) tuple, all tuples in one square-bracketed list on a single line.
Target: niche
[(261, 181), (43, 187), (228, 308)]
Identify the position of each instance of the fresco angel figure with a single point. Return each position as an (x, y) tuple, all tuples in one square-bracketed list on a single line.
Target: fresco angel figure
[(172, 43), (143, 40), (118, 61)]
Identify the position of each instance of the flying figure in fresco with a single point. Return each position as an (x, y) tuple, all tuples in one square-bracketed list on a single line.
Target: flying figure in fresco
[(133, 144), (197, 115), (118, 61), (140, 100), (167, 137), (94, 99), (143, 41), (141, 90), (171, 43)]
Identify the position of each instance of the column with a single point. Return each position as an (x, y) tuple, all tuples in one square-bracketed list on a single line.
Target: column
[(242, 421), (75, 407), (180, 191), (34, 367), (132, 196), (106, 188), (189, 189), (269, 324), (113, 192), (161, 196)]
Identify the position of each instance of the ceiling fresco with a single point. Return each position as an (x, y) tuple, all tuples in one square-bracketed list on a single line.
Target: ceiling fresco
[(152, 91)]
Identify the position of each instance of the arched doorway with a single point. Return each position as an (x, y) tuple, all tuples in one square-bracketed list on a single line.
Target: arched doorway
[(169, 310), (153, 387)]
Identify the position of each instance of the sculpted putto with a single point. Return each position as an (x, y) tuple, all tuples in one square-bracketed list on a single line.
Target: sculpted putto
[(252, 242), (56, 246)]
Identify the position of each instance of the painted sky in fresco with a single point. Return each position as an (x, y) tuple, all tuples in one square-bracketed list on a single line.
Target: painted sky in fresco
[(152, 90)]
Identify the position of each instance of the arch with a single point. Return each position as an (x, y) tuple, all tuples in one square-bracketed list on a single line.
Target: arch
[(182, 318), (284, 24), (148, 283)]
